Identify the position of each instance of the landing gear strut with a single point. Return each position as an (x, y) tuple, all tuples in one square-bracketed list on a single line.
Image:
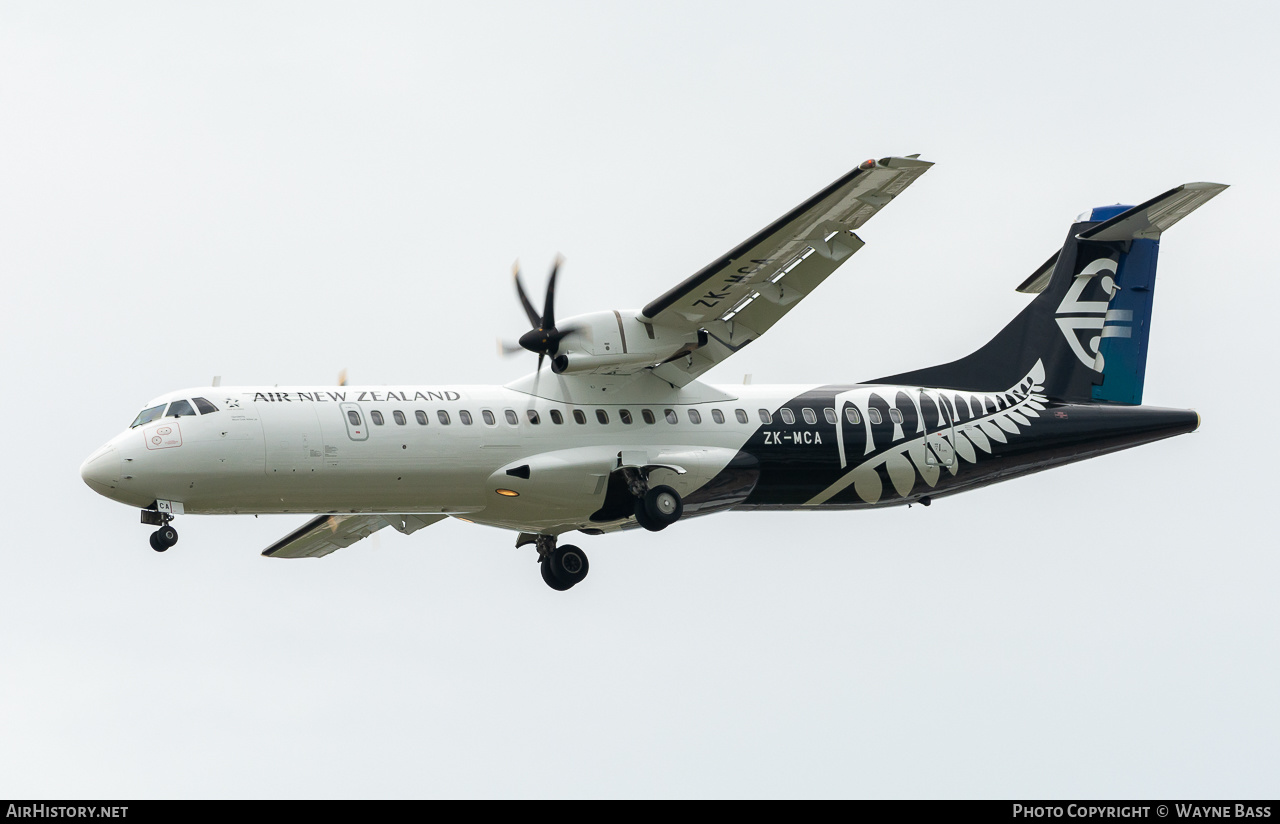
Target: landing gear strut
[(562, 566), (164, 537)]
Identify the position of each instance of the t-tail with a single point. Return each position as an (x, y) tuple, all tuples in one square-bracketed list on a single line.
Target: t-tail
[(1091, 319)]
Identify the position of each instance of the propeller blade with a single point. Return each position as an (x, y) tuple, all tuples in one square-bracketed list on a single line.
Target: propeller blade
[(534, 321), (508, 348), (549, 307)]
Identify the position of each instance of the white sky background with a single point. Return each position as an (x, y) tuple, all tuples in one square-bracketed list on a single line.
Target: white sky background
[(272, 193)]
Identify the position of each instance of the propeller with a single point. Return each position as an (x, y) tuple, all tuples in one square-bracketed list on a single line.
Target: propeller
[(544, 338)]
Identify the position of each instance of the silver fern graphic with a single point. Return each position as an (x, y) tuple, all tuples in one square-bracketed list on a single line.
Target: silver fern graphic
[(991, 416)]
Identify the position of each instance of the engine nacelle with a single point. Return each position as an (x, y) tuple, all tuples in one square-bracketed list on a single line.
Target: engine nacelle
[(577, 362), (617, 343)]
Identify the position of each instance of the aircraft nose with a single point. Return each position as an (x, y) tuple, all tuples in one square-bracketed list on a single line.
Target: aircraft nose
[(102, 470)]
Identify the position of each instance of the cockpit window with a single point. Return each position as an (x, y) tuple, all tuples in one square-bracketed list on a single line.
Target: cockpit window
[(204, 406), (147, 416), (179, 409)]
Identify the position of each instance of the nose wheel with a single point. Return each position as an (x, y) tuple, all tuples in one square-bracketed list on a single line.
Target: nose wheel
[(164, 537)]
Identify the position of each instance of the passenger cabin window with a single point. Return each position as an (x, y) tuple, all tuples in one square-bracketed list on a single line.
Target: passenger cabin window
[(602, 416), (625, 415), (204, 406), (765, 417), (420, 417), (647, 414), (717, 416), (851, 415), (488, 417), (830, 415), (895, 415), (147, 416), (443, 416), (809, 415), (533, 417), (670, 415), (556, 417), (873, 415), (579, 416), (511, 417), (787, 415), (741, 415), (465, 417), (179, 409), (376, 417), (695, 416), (398, 416), (354, 417)]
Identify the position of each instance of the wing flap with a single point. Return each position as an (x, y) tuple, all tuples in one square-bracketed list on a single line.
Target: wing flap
[(328, 533)]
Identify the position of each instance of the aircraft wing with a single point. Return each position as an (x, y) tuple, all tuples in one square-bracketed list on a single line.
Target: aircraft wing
[(739, 296), (327, 533)]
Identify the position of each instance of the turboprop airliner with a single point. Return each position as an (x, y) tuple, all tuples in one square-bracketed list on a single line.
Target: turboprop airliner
[(621, 432)]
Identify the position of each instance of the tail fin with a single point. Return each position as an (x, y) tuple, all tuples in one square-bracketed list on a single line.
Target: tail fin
[(1090, 322)]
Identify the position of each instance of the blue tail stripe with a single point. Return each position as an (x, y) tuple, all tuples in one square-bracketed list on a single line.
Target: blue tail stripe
[(1124, 340)]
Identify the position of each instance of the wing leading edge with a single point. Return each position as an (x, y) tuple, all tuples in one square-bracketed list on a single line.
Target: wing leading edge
[(329, 533), (743, 293)]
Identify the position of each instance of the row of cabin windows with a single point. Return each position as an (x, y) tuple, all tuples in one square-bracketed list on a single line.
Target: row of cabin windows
[(624, 415)]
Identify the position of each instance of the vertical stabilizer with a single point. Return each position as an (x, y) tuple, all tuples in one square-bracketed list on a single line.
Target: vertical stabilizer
[(1091, 319)]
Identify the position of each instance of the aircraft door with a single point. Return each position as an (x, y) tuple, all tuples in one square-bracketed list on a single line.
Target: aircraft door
[(357, 426), (940, 430)]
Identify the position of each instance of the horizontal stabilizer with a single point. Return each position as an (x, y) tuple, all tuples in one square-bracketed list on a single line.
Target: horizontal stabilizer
[(1149, 219), (1146, 221), (1039, 279)]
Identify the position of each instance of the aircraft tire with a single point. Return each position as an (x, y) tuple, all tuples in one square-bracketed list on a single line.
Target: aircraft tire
[(569, 564), (642, 518), (663, 505), (155, 542), (550, 578), (166, 535)]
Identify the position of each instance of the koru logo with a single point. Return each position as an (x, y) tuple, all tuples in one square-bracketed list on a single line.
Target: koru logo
[(1077, 317)]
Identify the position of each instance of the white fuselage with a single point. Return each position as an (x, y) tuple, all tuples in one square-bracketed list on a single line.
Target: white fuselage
[(307, 450)]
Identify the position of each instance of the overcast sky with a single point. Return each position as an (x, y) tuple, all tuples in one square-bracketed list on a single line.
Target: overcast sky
[(276, 192)]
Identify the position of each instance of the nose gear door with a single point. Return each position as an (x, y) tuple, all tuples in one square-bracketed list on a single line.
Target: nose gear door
[(357, 429)]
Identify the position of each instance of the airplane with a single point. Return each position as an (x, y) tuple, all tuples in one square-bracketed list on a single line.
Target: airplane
[(621, 433)]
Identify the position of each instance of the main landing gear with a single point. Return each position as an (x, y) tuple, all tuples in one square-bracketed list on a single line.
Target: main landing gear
[(562, 566), (657, 507), (164, 537)]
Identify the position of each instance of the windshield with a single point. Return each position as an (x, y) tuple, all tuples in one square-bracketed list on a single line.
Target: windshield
[(178, 409), (147, 416)]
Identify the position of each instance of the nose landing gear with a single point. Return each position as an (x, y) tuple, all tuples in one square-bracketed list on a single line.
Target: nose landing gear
[(164, 537)]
